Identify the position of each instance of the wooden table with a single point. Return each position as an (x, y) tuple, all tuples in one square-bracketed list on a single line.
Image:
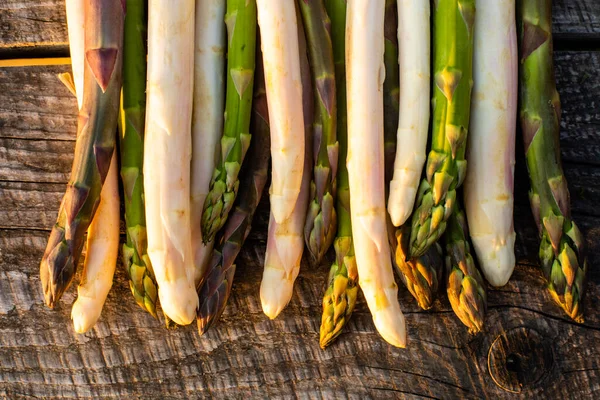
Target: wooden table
[(528, 346)]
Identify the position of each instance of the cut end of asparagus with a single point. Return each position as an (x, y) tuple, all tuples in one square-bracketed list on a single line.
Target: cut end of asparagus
[(496, 258), (179, 301), (276, 290)]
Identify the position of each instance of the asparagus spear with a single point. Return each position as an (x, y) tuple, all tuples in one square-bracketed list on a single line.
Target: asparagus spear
[(342, 282), (364, 60), (76, 30), (285, 243), (167, 155), (466, 289), (413, 35), (491, 145), (133, 113), (241, 28), (103, 232), (321, 217), (94, 147), (279, 35), (562, 248), (421, 275), (101, 258), (446, 165), (216, 287), (391, 87), (207, 117)]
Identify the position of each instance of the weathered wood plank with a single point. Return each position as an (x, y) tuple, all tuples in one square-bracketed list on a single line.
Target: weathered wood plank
[(28, 27), (32, 25), (576, 19)]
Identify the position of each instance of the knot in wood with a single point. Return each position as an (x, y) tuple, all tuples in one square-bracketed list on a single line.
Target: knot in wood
[(519, 359)]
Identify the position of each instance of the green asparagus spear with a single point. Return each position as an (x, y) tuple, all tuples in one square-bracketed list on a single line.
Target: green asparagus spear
[(96, 126), (446, 164), (214, 290), (562, 249), (466, 289), (321, 218), (342, 288), (241, 31), (422, 274), (133, 115)]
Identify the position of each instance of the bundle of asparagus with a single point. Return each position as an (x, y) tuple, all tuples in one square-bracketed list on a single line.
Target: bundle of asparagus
[(353, 71)]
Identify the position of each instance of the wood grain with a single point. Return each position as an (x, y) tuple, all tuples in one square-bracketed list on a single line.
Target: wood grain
[(129, 355)]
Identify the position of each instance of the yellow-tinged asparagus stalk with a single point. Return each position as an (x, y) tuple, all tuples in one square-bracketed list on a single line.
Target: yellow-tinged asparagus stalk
[(279, 38), (491, 143), (364, 80), (101, 257), (285, 243), (207, 119), (414, 60), (167, 155)]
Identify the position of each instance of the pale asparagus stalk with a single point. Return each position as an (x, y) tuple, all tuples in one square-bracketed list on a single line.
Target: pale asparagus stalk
[(364, 80), (167, 155), (414, 60), (75, 26), (285, 242), (279, 38), (101, 258), (491, 143), (207, 119)]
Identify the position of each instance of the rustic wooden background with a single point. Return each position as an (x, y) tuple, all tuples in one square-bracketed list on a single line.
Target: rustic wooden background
[(528, 347)]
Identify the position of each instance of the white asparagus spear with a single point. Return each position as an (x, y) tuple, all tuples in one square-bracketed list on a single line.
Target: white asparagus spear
[(279, 44), (491, 144), (207, 119), (101, 258), (103, 232), (75, 26), (285, 242), (167, 155), (414, 60), (365, 74)]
